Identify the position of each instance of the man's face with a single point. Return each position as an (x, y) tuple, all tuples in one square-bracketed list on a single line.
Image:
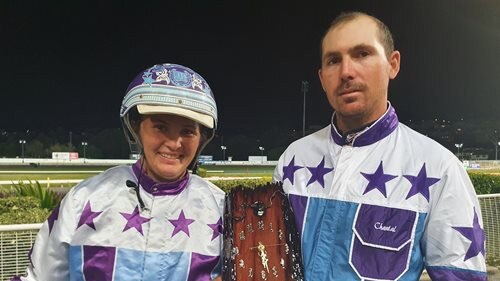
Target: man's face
[(355, 72)]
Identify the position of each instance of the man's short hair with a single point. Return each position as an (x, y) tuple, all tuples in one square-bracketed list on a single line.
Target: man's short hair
[(384, 34)]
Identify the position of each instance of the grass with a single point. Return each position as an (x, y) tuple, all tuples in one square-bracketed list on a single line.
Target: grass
[(238, 171), (44, 176), (484, 171), (53, 168), (16, 173), (84, 172)]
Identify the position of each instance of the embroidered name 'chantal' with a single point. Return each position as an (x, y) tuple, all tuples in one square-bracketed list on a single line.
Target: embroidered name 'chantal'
[(381, 226)]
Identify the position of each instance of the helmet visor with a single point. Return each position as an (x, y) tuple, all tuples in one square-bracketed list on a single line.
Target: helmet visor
[(203, 119)]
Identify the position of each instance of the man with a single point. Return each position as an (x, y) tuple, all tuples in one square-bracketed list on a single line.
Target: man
[(373, 199)]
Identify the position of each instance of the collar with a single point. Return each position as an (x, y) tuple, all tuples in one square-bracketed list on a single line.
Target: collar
[(376, 131), (159, 188)]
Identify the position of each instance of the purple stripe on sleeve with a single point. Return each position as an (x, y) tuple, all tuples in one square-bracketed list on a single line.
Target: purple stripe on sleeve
[(98, 263), (299, 205), (201, 267), (455, 274)]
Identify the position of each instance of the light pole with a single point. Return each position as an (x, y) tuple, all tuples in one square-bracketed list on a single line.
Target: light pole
[(84, 144), (496, 150), (305, 89), (22, 142), (458, 146), (70, 144), (261, 153), (223, 148)]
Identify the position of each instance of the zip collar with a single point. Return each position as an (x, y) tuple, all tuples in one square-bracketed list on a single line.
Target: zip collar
[(159, 188), (374, 132)]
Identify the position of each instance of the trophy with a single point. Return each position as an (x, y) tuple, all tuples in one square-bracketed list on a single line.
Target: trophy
[(260, 237)]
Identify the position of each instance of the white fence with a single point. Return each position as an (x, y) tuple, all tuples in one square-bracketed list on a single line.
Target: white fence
[(110, 162), (58, 162), (490, 210), (469, 164), (16, 240), (15, 244)]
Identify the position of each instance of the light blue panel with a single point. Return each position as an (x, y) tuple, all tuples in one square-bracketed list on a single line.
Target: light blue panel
[(137, 265), (75, 263), (314, 216), (172, 266), (129, 264), (327, 240)]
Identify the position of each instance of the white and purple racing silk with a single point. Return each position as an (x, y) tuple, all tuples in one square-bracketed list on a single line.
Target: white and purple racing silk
[(100, 233), (381, 205)]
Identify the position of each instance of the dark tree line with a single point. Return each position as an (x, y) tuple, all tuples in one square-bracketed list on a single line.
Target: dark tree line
[(101, 143), (111, 144), (475, 135)]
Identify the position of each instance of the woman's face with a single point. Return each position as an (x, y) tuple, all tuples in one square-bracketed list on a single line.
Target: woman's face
[(170, 143)]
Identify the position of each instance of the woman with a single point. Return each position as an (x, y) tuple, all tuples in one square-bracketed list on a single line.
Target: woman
[(153, 220)]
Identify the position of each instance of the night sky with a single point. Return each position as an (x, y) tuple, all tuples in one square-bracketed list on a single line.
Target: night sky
[(67, 63)]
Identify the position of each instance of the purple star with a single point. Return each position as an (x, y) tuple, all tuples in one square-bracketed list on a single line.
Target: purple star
[(377, 180), (88, 216), (134, 220), (53, 217), (289, 171), (217, 228), (420, 184), (181, 224), (318, 173), (476, 235)]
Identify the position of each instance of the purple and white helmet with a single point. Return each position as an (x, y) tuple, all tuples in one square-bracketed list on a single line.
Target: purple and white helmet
[(169, 89)]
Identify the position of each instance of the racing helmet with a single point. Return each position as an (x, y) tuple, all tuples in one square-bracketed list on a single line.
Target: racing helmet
[(168, 89)]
